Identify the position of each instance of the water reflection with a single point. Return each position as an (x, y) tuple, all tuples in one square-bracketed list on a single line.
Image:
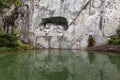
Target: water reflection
[(59, 65)]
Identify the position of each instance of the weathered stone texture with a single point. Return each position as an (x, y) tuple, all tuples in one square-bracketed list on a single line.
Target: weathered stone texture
[(99, 18)]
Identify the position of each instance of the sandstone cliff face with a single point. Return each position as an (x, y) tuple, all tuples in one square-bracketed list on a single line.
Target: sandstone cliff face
[(96, 18)]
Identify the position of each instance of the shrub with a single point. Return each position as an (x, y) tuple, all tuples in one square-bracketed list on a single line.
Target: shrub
[(8, 40), (115, 39), (118, 33), (11, 42), (23, 46)]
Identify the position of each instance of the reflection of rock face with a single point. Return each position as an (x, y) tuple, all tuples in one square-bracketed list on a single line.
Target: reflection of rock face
[(99, 17), (59, 65)]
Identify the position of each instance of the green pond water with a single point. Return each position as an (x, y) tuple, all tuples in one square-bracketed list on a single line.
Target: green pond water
[(59, 65)]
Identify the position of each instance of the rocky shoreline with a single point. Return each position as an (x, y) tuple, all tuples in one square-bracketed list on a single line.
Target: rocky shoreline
[(108, 48)]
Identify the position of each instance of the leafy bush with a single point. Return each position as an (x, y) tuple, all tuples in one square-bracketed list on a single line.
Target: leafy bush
[(23, 46), (115, 39), (11, 42), (118, 33), (8, 40)]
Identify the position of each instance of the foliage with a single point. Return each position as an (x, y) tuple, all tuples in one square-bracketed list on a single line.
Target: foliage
[(23, 46), (4, 49), (11, 41), (115, 39), (8, 40), (4, 4), (118, 33)]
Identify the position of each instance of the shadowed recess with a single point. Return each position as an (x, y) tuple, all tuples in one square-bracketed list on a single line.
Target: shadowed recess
[(56, 20)]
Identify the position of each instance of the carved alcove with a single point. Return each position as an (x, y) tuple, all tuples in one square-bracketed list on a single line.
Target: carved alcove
[(51, 30)]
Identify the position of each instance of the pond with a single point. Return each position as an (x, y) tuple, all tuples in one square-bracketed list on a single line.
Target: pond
[(59, 65)]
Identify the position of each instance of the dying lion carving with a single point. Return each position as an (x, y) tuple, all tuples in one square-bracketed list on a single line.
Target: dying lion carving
[(56, 20)]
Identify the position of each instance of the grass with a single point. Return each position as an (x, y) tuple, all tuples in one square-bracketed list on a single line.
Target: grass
[(18, 48), (10, 42)]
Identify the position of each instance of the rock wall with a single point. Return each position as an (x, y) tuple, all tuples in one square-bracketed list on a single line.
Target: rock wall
[(96, 18)]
